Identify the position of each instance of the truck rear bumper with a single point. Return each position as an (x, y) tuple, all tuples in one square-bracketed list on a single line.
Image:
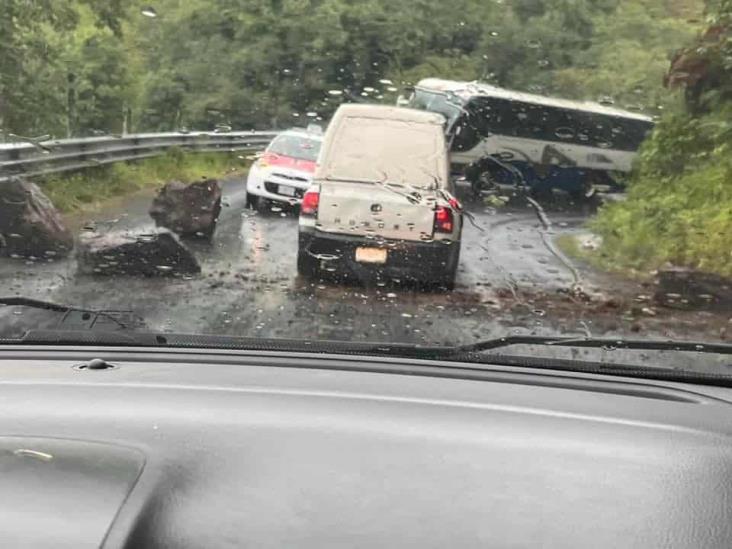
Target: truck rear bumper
[(412, 260)]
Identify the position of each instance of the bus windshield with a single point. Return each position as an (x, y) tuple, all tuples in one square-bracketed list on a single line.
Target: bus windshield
[(435, 102)]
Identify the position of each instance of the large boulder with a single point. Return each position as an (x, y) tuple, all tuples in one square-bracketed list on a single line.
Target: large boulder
[(190, 210), (158, 252), (30, 225)]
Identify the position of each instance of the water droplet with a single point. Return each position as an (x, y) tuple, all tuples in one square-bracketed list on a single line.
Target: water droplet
[(564, 133)]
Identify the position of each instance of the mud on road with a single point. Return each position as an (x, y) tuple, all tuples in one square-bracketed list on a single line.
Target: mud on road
[(511, 280)]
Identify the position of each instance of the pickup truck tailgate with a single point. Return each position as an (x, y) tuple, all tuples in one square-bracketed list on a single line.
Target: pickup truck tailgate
[(374, 209)]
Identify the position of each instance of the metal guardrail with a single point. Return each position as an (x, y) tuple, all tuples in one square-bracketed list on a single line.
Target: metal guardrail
[(53, 156)]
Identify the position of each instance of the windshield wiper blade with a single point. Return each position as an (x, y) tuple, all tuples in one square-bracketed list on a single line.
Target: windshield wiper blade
[(594, 342), (21, 301)]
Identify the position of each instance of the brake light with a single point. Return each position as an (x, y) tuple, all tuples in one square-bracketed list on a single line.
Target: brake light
[(444, 221), (310, 203)]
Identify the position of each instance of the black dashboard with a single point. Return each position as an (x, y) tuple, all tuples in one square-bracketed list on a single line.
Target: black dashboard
[(195, 448)]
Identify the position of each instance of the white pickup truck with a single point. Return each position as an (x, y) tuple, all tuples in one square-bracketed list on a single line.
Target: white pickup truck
[(381, 200)]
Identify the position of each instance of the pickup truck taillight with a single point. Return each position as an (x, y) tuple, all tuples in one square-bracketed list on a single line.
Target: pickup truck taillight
[(310, 202), (444, 220)]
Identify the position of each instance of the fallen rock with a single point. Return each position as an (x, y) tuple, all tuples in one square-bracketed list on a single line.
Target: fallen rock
[(30, 225), (681, 288), (189, 210), (152, 253)]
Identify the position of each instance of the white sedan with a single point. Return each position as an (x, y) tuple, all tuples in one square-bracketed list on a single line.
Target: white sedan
[(285, 170)]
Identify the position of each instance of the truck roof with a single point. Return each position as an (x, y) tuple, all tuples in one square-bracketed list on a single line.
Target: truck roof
[(389, 112)]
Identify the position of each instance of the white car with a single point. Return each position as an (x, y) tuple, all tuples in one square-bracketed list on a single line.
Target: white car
[(381, 199), (285, 170)]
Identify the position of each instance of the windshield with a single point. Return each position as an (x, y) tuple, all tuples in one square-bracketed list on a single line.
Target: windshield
[(175, 167), (436, 102), (295, 146)]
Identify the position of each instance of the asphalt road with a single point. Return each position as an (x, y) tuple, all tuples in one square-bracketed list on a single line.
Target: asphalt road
[(510, 280)]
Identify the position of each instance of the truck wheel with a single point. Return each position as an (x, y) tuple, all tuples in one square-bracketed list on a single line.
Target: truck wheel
[(307, 265), (448, 280)]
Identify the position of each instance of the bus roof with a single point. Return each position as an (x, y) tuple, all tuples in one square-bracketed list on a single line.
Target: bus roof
[(468, 90)]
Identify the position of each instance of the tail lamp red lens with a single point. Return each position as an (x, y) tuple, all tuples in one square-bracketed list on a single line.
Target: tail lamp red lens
[(310, 202), (444, 220)]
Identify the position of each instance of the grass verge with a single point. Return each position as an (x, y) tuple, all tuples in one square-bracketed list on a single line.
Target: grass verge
[(572, 245), (88, 189)]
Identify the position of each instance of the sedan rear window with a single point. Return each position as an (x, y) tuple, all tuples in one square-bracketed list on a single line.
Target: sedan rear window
[(296, 146)]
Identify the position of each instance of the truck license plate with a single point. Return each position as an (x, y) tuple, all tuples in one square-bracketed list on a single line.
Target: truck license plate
[(371, 255), (287, 191)]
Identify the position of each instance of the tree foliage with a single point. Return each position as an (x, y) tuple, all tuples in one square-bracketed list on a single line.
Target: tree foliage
[(77, 67)]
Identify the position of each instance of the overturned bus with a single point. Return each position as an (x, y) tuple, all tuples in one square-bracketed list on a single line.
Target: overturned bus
[(498, 136)]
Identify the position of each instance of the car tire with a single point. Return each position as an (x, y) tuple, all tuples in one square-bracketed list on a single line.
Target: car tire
[(255, 202), (251, 201), (447, 281), (307, 265)]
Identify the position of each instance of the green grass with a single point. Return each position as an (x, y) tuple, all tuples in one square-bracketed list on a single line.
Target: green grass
[(598, 258), (88, 189)]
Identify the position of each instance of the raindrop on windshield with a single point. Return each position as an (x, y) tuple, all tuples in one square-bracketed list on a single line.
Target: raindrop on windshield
[(564, 133)]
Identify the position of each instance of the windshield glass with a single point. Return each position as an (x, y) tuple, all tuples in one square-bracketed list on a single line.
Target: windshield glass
[(295, 146), (435, 102), (178, 166)]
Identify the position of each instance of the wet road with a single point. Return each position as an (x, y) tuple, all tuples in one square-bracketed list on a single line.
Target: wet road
[(510, 280)]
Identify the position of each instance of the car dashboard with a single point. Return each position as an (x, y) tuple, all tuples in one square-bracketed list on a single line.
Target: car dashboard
[(197, 448)]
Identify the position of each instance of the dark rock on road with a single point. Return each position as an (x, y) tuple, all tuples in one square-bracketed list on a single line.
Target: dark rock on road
[(191, 210), (688, 289), (150, 253), (30, 225)]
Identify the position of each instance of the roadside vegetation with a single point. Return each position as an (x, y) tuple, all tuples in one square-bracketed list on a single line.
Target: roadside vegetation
[(90, 188), (679, 205)]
